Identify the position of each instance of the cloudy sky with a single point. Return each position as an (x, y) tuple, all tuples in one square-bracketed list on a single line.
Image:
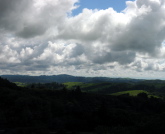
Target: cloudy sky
[(113, 38)]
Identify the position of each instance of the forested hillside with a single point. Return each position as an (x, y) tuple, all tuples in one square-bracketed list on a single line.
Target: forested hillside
[(64, 78), (37, 110)]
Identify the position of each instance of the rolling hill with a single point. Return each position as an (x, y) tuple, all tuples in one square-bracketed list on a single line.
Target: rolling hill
[(65, 78)]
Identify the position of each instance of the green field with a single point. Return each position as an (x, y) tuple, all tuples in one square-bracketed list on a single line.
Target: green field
[(71, 85), (131, 92), (103, 87), (20, 84), (89, 87), (134, 93)]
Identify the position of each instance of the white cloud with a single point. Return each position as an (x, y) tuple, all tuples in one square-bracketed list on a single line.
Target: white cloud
[(42, 37)]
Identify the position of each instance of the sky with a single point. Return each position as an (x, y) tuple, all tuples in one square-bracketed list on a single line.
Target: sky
[(111, 38), (117, 5)]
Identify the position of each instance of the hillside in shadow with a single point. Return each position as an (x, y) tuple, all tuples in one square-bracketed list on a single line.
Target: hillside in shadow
[(36, 110)]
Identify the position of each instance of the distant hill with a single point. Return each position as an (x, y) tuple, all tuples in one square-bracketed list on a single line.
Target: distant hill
[(65, 78)]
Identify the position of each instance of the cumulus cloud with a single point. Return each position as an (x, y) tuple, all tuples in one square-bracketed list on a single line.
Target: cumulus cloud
[(145, 32), (28, 19), (41, 36)]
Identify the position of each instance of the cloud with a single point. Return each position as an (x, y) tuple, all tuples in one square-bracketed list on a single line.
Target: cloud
[(41, 36), (12, 13), (145, 32), (31, 18)]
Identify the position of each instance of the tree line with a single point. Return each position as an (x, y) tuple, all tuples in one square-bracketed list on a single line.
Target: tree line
[(41, 111)]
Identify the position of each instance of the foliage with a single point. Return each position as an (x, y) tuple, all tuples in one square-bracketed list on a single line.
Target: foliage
[(130, 92), (41, 109)]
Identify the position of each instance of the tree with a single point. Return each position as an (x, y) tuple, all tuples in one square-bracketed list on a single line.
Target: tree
[(143, 95)]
